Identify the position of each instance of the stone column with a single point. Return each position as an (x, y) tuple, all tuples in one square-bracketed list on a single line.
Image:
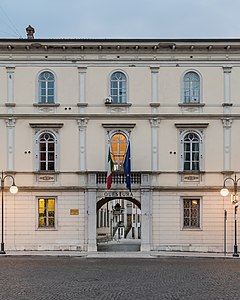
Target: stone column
[(227, 124), (155, 143), (10, 124), (82, 125), (146, 223)]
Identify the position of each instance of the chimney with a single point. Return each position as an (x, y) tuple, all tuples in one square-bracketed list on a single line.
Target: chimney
[(30, 31)]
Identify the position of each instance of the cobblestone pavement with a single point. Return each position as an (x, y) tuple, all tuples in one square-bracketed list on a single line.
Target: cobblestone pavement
[(59, 278)]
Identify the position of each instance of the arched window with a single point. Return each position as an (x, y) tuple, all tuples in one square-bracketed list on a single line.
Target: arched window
[(191, 152), (47, 152), (191, 88), (118, 150), (118, 87), (46, 85)]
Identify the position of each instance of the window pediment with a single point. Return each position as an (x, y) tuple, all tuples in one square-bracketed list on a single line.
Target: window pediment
[(46, 125), (118, 126), (191, 125)]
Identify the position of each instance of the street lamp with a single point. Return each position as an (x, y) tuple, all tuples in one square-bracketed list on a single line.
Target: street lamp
[(13, 189), (234, 199)]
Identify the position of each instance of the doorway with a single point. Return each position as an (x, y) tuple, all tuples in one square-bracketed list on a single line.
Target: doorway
[(118, 225)]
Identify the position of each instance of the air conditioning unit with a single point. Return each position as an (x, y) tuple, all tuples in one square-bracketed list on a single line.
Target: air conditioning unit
[(195, 99), (108, 100)]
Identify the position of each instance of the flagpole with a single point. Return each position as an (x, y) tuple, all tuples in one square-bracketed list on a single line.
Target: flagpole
[(127, 166)]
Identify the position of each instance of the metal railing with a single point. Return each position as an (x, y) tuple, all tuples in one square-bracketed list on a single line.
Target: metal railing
[(118, 178)]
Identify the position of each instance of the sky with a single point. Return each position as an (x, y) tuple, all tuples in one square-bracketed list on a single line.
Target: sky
[(120, 19)]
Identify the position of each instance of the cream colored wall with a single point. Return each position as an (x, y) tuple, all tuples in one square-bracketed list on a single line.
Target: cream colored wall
[(168, 142), (22, 223), (21, 210), (3, 156), (213, 146), (235, 146), (3, 86), (170, 86), (212, 87), (168, 233), (26, 84), (235, 91), (69, 146), (97, 145)]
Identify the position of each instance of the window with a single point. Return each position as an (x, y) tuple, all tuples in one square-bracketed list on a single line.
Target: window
[(46, 152), (191, 88), (191, 152), (46, 85), (46, 213), (118, 87), (118, 150), (191, 213), (46, 149)]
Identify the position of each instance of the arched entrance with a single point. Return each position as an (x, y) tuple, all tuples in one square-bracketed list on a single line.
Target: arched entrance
[(95, 198), (118, 224)]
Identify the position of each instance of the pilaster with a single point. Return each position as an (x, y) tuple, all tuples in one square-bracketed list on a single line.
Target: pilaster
[(227, 89), (91, 220), (154, 88), (82, 70), (10, 88), (10, 124), (227, 124), (155, 143), (82, 125), (146, 209)]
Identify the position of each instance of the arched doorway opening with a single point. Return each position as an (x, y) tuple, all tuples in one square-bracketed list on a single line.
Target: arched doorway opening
[(118, 224)]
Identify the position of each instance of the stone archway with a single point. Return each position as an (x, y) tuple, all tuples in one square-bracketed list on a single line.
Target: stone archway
[(118, 223), (103, 201), (96, 198)]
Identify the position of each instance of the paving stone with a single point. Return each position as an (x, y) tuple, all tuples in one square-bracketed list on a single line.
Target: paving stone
[(61, 278)]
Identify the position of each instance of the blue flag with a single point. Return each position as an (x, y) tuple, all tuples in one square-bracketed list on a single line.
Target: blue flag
[(127, 167)]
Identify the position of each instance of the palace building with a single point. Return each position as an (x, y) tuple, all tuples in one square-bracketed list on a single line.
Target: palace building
[(65, 102)]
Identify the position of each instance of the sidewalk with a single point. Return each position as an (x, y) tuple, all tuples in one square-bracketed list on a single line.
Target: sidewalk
[(125, 248), (121, 254)]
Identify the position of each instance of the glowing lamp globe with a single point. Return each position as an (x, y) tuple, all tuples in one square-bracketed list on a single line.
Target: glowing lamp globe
[(224, 192), (13, 189)]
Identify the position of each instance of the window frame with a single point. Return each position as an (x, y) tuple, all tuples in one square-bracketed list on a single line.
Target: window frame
[(191, 152), (47, 103), (37, 155), (191, 227), (118, 102), (126, 135), (199, 134), (191, 102), (48, 228)]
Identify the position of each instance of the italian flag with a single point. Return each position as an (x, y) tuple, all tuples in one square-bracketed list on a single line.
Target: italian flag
[(109, 171)]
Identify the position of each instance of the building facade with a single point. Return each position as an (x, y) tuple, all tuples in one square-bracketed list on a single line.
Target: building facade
[(64, 102)]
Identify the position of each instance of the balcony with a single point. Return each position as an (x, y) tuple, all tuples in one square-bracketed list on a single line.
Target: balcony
[(118, 178)]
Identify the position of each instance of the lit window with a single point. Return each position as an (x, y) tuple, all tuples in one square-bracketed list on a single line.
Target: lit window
[(191, 154), (118, 87), (191, 213), (191, 88), (118, 150), (46, 213), (46, 82), (47, 152)]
